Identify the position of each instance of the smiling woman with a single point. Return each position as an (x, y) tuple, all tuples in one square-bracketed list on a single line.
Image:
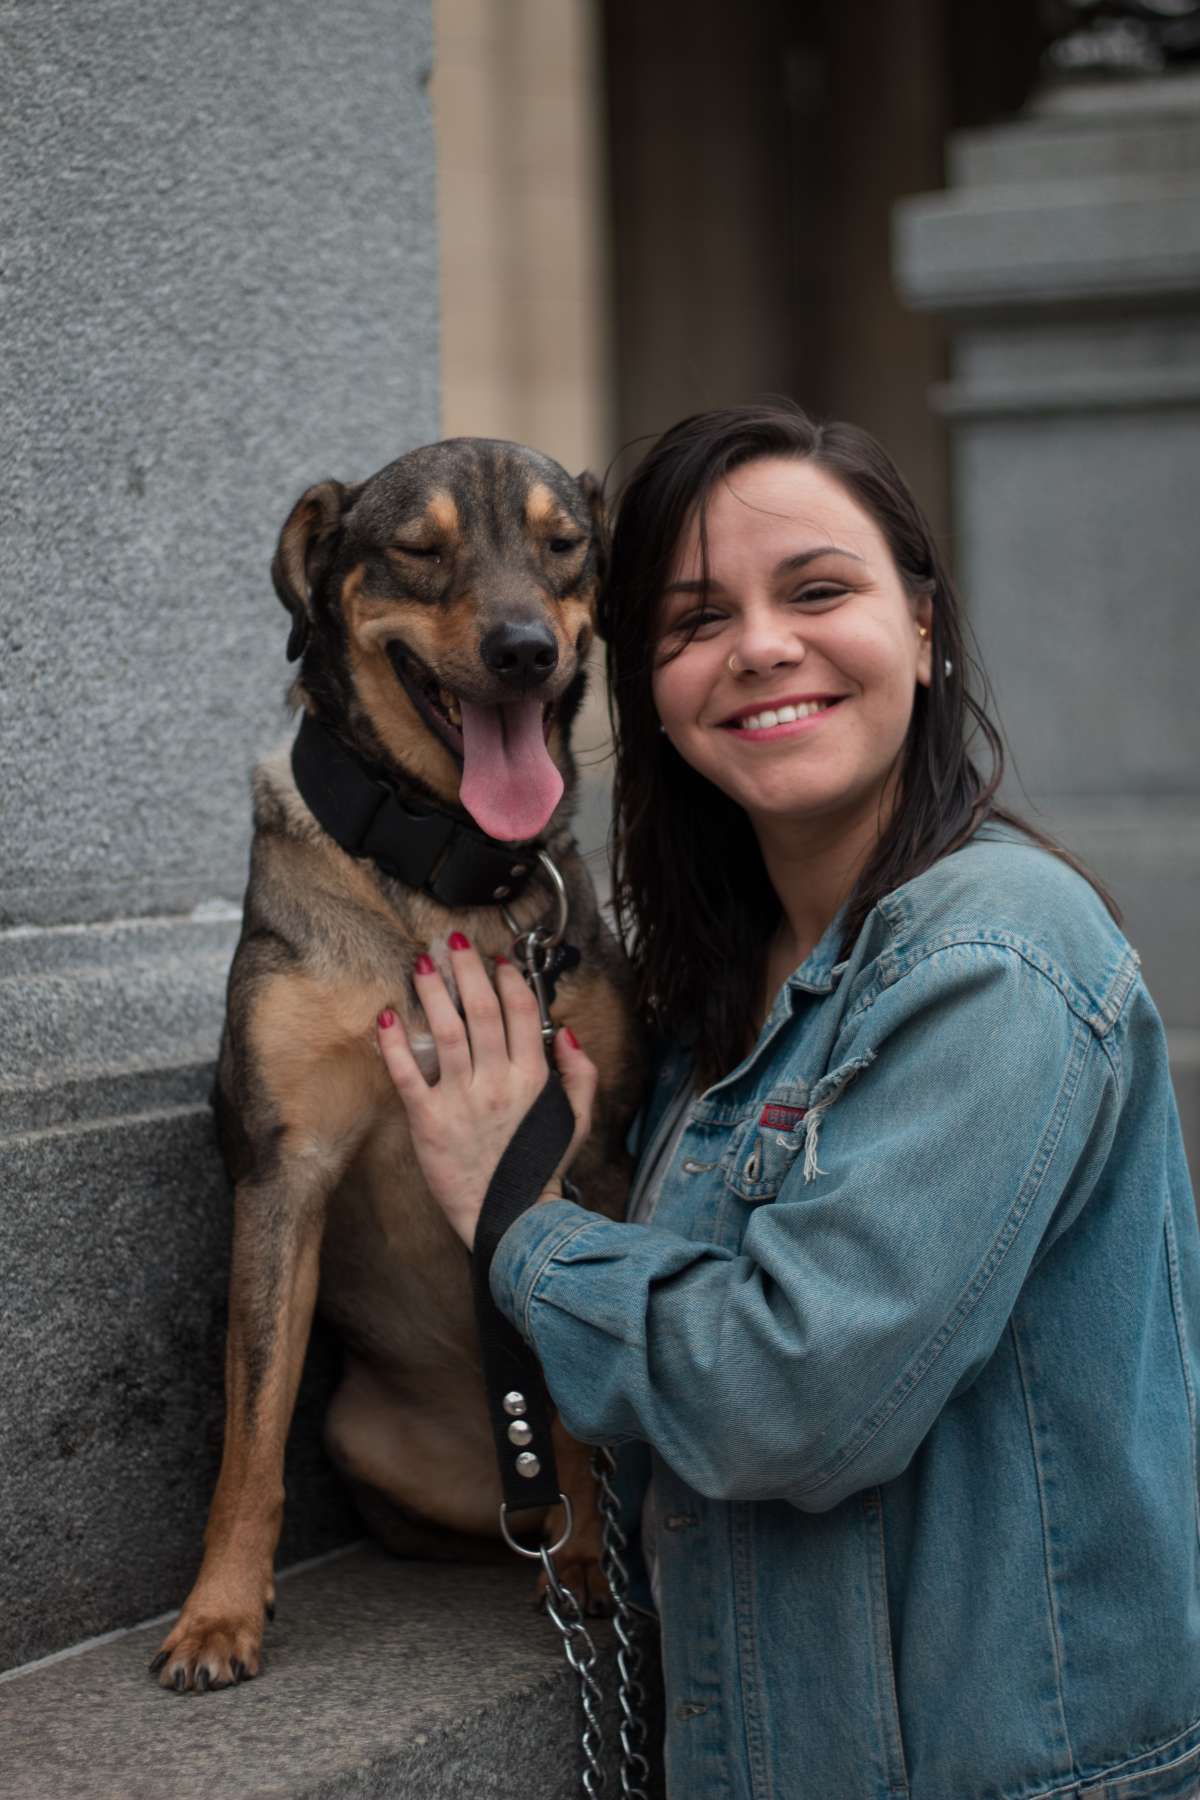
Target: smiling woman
[(902, 1335), (800, 606)]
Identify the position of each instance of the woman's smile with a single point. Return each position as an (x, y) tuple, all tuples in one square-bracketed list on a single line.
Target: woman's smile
[(771, 720)]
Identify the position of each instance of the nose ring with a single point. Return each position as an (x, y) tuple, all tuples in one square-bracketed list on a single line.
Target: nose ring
[(734, 667)]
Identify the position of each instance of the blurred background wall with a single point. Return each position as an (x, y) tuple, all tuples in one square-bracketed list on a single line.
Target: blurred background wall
[(972, 226)]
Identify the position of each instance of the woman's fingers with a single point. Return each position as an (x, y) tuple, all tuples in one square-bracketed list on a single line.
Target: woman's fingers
[(522, 1020), (579, 1077), (398, 1056), (445, 1024), (481, 1008)]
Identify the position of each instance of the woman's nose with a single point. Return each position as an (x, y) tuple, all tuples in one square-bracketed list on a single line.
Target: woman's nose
[(767, 642)]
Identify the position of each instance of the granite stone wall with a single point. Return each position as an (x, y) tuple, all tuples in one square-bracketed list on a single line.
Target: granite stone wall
[(220, 285)]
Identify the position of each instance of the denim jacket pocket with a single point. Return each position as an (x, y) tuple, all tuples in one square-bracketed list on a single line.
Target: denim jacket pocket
[(781, 1128), (767, 1142)]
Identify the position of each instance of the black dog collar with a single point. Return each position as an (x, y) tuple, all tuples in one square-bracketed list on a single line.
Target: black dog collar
[(447, 859)]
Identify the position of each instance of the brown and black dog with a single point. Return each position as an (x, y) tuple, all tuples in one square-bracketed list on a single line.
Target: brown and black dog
[(442, 612)]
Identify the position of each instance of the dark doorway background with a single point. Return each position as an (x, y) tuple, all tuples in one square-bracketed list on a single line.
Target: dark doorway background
[(755, 153)]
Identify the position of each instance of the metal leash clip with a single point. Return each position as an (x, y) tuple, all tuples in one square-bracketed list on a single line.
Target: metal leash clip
[(533, 950)]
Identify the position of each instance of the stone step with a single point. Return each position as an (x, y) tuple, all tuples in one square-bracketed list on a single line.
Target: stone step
[(114, 1255), (101, 1020), (382, 1678), (1086, 133)]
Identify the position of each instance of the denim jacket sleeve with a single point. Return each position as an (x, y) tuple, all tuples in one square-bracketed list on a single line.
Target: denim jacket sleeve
[(811, 1363)]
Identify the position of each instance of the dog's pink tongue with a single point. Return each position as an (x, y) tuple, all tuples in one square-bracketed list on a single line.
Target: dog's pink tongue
[(509, 786)]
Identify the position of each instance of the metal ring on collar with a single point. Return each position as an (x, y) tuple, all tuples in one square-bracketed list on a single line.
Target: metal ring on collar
[(559, 889), (547, 1550)]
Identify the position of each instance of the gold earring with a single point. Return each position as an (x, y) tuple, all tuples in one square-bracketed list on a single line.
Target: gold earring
[(922, 631), (733, 664)]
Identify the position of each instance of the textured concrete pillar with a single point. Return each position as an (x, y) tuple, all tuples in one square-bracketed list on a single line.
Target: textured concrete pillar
[(220, 285), (1066, 253)]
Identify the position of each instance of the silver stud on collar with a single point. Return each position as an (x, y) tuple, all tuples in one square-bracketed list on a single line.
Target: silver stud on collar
[(519, 1432), (528, 1465), (515, 1404)]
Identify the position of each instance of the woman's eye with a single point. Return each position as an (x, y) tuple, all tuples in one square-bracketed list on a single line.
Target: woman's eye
[(690, 623), (562, 546), (818, 592)]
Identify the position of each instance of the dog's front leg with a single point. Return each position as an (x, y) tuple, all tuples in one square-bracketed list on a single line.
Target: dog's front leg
[(272, 1291)]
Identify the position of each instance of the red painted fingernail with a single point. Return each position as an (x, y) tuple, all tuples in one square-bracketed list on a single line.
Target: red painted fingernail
[(387, 1019), (501, 962), (423, 964), (570, 1037), (458, 941)]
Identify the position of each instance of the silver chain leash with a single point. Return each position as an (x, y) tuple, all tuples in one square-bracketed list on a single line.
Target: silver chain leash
[(580, 1652), (631, 1693)]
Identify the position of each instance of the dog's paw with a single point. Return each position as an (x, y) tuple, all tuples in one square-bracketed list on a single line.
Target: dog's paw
[(205, 1652), (585, 1578)]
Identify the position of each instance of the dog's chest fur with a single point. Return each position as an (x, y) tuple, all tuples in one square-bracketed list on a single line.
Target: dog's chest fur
[(394, 1277)]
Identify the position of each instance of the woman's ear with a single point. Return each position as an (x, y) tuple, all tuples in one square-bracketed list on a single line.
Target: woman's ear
[(307, 534)]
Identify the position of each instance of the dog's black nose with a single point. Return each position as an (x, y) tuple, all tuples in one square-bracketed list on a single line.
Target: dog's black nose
[(522, 655)]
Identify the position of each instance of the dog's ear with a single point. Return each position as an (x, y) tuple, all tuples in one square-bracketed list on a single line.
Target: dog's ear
[(592, 490), (593, 495), (307, 534)]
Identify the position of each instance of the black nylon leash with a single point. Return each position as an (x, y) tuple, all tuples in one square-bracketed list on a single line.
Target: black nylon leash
[(518, 1404)]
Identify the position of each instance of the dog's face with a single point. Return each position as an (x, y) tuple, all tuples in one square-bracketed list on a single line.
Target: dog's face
[(443, 611)]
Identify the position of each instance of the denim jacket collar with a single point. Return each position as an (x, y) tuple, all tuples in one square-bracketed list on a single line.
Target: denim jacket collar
[(822, 968)]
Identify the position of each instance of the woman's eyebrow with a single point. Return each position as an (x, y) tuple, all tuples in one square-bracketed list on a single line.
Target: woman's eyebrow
[(788, 566)]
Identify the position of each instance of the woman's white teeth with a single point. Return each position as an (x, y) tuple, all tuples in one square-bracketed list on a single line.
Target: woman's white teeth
[(785, 715)]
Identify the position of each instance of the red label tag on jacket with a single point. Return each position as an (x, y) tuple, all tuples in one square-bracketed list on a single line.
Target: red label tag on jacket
[(781, 1118)]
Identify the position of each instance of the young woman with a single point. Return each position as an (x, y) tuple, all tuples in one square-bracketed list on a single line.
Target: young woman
[(909, 1310)]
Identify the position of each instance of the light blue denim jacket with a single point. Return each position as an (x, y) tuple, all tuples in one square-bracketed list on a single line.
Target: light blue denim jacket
[(917, 1353)]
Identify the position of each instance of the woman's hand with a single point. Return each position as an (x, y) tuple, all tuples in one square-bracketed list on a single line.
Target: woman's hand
[(492, 1068)]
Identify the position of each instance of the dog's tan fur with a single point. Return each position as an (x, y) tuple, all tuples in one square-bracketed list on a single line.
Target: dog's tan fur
[(330, 1210)]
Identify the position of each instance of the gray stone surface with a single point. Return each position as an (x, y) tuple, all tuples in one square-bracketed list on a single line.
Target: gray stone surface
[(1081, 207), (1148, 128), (114, 1254), (112, 1019), (220, 285), (1067, 253), (1079, 542), (382, 1679)]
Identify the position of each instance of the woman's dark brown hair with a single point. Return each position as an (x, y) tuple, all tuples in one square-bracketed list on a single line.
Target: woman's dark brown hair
[(693, 903)]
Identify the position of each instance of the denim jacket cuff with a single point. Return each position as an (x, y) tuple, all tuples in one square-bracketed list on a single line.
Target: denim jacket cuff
[(523, 1252)]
